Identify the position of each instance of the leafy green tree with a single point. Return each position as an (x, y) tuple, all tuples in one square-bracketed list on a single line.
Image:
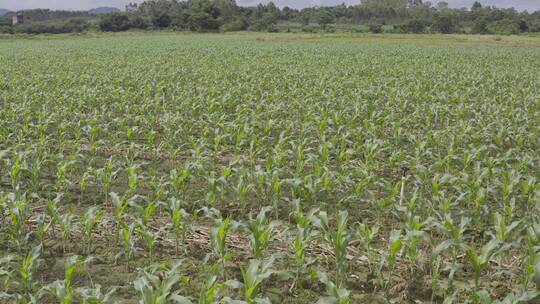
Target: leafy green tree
[(114, 22), (325, 17), (443, 24), (480, 26)]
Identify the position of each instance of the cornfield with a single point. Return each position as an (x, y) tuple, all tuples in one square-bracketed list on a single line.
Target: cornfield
[(269, 168)]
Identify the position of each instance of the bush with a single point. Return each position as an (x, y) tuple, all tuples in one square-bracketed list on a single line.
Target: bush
[(310, 29), (266, 23), (138, 22), (161, 21), (6, 29), (479, 26), (202, 21), (412, 26), (375, 28), (523, 26), (238, 24), (505, 27), (53, 27), (115, 22), (444, 25)]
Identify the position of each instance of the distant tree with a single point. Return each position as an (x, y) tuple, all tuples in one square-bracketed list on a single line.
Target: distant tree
[(227, 9), (375, 27), (138, 21), (480, 25), (202, 21), (506, 26), (414, 3), (443, 24), (414, 26), (523, 26), (325, 17), (266, 23), (163, 20), (442, 5), (114, 22), (304, 19), (476, 6)]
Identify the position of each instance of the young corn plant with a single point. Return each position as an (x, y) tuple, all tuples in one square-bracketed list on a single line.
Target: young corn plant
[(533, 255), (63, 290), (480, 261), (367, 235), (338, 239), (18, 216), (146, 212), (26, 270), (120, 205), (218, 236), (16, 170), (179, 180), (211, 291), (106, 176), (84, 181), (66, 221), (127, 234), (242, 188), (454, 233), (149, 237), (276, 192), (91, 218), (42, 229), (63, 169), (262, 232), (156, 285), (133, 178), (304, 235), (253, 276), (214, 189), (335, 294), (395, 245), (89, 295), (180, 220), (414, 233)]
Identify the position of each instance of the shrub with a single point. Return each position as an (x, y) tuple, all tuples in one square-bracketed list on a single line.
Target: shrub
[(444, 25), (138, 22), (52, 27), (202, 21), (5, 29), (375, 28), (161, 21), (413, 26), (115, 22), (505, 27), (238, 24), (266, 23), (480, 26)]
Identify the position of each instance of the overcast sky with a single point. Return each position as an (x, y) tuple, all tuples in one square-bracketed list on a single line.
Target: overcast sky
[(87, 4)]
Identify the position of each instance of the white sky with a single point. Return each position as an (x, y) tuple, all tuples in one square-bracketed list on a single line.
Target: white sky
[(530, 5)]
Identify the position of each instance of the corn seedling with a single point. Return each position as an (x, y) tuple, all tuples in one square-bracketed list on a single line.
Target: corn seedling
[(338, 239), (262, 232), (156, 284), (90, 220)]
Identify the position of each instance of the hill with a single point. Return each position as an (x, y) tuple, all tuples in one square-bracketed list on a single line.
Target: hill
[(4, 11), (103, 10)]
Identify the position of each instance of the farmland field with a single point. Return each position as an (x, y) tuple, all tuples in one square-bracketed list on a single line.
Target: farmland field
[(282, 168)]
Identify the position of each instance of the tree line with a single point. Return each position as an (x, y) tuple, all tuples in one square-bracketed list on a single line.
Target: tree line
[(397, 16)]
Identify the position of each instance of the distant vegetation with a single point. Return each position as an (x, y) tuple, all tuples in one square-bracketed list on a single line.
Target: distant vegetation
[(103, 10), (394, 16)]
